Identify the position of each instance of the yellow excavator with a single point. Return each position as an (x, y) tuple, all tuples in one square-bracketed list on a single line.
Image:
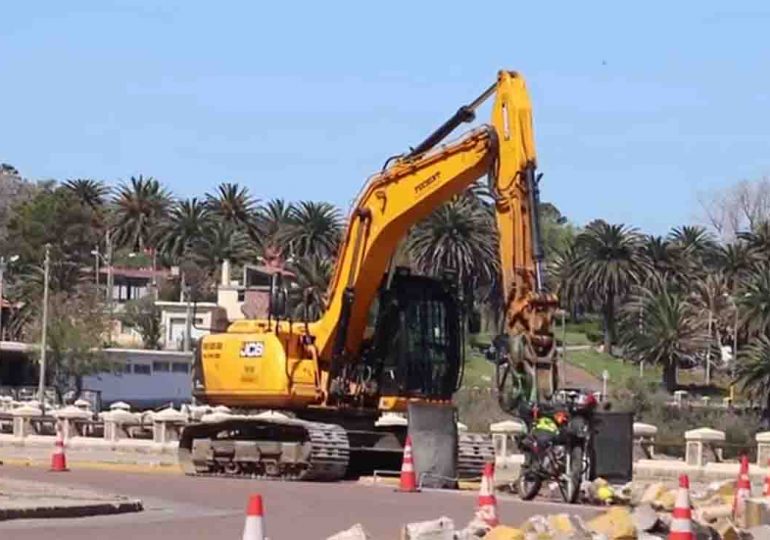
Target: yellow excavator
[(308, 394)]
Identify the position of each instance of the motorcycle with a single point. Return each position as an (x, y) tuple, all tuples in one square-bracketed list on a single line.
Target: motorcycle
[(557, 445)]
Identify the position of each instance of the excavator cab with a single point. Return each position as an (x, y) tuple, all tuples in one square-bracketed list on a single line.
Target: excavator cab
[(416, 348)]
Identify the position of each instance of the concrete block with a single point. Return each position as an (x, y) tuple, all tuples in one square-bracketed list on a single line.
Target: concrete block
[(501, 532), (356, 532), (757, 512), (442, 528), (616, 524)]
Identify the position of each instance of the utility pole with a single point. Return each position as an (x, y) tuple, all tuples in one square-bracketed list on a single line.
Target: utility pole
[(110, 283), (44, 337)]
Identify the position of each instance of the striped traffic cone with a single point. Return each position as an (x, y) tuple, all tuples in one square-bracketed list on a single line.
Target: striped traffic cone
[(254, 528), (486, 510), (58, 458), (742, 491), (408, 481), (681, 517), (766, 488)]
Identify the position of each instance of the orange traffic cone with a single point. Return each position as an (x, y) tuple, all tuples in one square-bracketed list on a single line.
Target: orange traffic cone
[(681, 518), (254, 528), (58, 459), (408, 481), (486, 509), (766, 488), (742, 490)]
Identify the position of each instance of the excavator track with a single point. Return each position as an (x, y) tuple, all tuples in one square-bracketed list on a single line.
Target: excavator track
[(269, 449)]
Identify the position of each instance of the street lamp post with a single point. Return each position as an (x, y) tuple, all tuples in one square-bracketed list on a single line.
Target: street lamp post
[(107, 259), (44, 337)]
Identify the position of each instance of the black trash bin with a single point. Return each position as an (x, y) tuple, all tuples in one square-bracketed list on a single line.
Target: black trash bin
[(613, 446)]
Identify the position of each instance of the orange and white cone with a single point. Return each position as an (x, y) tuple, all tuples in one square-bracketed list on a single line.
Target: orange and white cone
[(408, 480), (486, 510), (254, 528), (742, 491), (58, 458), (681, 517), (766, 488)]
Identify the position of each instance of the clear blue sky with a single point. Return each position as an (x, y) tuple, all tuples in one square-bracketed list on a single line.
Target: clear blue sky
[(638, 106)]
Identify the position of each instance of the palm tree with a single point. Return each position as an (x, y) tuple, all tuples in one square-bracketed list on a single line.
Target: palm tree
[(659, 326), (609, 260), (233, 203), (92, 193), (559, 277), (459, 236), (754, 302), (184, 225), (736, 260), (312, 274), (758, 241), (273, 219), (139, 206), (694, 239), (668, 259), (753, 370), (314, 228), (222, 241)]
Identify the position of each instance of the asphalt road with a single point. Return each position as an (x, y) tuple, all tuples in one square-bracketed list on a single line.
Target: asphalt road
[(179, 507)]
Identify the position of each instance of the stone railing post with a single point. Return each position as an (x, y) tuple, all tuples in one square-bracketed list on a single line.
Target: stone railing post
[(115, 422), (763, 448), (22, 425), (167, 424), (644, 439), (507, 456), (698, 441), (67, 417)]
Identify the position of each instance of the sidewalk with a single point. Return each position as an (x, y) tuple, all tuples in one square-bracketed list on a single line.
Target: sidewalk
[(22, 499)]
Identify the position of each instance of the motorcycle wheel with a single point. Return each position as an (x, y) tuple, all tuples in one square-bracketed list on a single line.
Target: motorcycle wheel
[(570, 486), (528, 484)]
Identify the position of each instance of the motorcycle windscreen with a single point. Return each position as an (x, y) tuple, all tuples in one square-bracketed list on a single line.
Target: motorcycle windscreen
[(433, 430)]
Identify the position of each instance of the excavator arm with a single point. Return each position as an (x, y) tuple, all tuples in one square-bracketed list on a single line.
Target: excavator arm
[(412, 187)]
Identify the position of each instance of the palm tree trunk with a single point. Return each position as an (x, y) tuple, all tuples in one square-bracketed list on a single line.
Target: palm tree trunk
[(669, 376), (609, 323)]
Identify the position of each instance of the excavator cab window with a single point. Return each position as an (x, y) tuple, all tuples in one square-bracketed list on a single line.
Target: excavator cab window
[(417, 339)]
